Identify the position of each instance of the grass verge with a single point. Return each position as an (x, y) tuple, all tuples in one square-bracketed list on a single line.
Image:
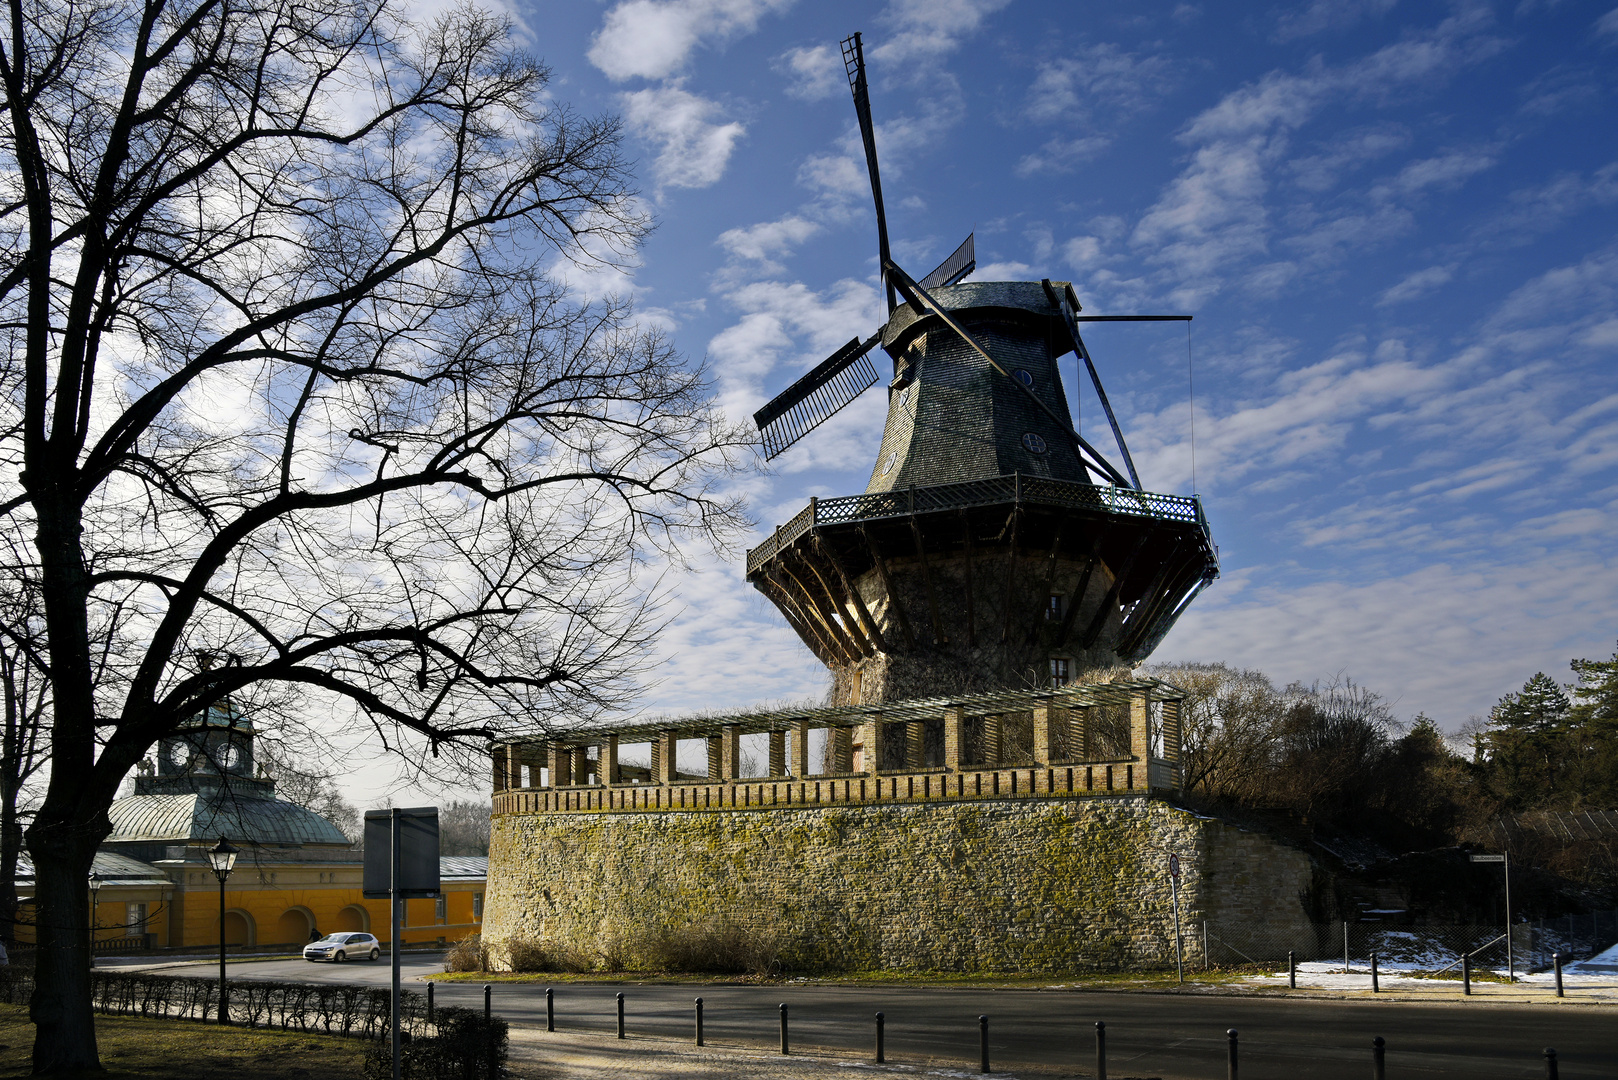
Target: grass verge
[(132, 1047), (1122, 980)]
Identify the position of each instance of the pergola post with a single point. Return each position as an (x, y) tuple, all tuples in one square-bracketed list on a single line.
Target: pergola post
[(663, 770), (991, 740), (1044, 734), (581, 765), (1140, 734), (609, 760), (800, 749), (955, 738), (875, 738), (497, 770), (778, 753), (716, 758), (730, 752), (561, 765)]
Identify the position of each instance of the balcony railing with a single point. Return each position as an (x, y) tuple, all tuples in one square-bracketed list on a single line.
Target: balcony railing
[(1036, 490)]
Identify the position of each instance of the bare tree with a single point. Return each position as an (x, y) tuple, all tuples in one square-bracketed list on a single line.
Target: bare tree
[(288, 383), (25, 699), (463, 828)]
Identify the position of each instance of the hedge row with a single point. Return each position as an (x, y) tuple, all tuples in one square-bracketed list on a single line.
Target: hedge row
[(457, 1044)]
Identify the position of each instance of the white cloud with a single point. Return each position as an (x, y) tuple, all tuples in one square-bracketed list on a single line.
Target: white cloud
[(1216, 217), (768, 239), (693, 146), (653, 39), (1060, 155), (813, 74), (1415, 285), (1321, 15), (1607, 25), (928, 29), (1101, 75)]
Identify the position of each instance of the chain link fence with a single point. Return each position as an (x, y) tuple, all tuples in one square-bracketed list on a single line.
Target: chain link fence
[(1429, 948)]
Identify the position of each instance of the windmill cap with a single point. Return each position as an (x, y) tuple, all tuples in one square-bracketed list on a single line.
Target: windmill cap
[(1022, 299)]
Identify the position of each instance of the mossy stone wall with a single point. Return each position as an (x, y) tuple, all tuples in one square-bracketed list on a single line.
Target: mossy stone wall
[(993, 885)]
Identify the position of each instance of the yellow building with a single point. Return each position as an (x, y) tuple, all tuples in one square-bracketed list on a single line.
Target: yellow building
[(296, 874)]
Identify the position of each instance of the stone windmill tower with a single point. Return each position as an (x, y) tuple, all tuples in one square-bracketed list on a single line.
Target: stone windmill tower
[(994, 547)]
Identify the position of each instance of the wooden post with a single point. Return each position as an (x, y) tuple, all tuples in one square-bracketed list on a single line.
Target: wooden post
[(800, 749), (730, 752), (778, 753), (842, 749), (875, 740), (663, 768), (954, 738), (1171, 742), (915, 744), (1078, 733), (609, 760)]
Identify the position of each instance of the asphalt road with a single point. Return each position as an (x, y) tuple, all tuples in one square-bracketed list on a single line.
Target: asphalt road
[(1148, 1035)]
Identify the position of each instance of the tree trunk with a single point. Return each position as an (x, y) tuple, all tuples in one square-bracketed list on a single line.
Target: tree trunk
[(63, 852)]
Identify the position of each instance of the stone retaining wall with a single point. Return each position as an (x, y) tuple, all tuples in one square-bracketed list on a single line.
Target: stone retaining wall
[(988, 885)]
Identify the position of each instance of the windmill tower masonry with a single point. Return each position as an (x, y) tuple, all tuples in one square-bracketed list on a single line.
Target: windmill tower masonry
[(994, 547), (965, 800)]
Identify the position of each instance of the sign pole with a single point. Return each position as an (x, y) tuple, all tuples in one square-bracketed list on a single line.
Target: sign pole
[(1511, 969), (1179, 943), (393, 910)]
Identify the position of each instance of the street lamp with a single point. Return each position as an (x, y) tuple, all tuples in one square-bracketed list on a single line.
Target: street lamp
[(95, 891), (223, 859)]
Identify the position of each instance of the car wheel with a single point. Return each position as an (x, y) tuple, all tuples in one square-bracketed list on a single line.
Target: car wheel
[(375, 953), (340, 957)]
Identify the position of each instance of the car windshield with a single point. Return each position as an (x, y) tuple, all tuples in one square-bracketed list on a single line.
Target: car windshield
[(336, 939)]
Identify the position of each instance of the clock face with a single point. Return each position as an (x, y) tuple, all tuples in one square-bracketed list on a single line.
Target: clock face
[(230, 755), (175, 755)]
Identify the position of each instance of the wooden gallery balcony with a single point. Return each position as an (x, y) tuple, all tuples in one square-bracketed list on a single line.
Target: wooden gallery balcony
[(1073, 741)]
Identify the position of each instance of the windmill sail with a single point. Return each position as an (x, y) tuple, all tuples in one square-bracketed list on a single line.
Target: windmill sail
[(962, 262), (854, 64), (815, 398)]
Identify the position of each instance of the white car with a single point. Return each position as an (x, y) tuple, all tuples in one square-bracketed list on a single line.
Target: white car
[(340, 947)]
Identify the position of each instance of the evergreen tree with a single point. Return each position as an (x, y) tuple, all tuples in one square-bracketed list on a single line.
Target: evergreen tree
[(1596, 693), (1525, 743)]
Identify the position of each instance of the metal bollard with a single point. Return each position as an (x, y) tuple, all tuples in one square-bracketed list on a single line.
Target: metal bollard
[(1292, 970), (983, 1041), (880, 1019), (784, 1027), (1231, 1035), (1378, 1052), (429, 1003), (699, 1021), (1466, 974), (550, 1009), (620, 1014), (487, 1002), (1376, 984), (1550, 1064), (1556, 958), (1101, 1050)]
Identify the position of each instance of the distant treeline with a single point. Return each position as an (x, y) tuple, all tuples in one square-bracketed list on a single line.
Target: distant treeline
[(1334, 757)]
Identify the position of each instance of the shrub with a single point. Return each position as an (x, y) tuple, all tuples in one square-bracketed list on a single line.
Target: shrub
[(462, 1046), (720, 948), (467, 954)]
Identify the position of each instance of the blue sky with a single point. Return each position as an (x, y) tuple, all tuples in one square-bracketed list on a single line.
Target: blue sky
[(1395, 223)]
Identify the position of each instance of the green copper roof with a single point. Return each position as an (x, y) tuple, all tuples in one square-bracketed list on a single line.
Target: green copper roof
[(191, 817)]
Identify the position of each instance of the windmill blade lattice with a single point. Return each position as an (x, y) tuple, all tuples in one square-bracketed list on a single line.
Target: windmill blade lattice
[(962, 261), (815, 398)]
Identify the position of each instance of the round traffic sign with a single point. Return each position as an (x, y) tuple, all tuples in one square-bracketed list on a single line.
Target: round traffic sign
[(1174, 866)]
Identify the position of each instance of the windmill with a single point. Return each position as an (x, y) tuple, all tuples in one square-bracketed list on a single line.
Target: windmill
[(994, 546)]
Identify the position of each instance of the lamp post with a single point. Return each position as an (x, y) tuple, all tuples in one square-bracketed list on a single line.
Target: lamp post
[(95, 891), (223, 859)]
